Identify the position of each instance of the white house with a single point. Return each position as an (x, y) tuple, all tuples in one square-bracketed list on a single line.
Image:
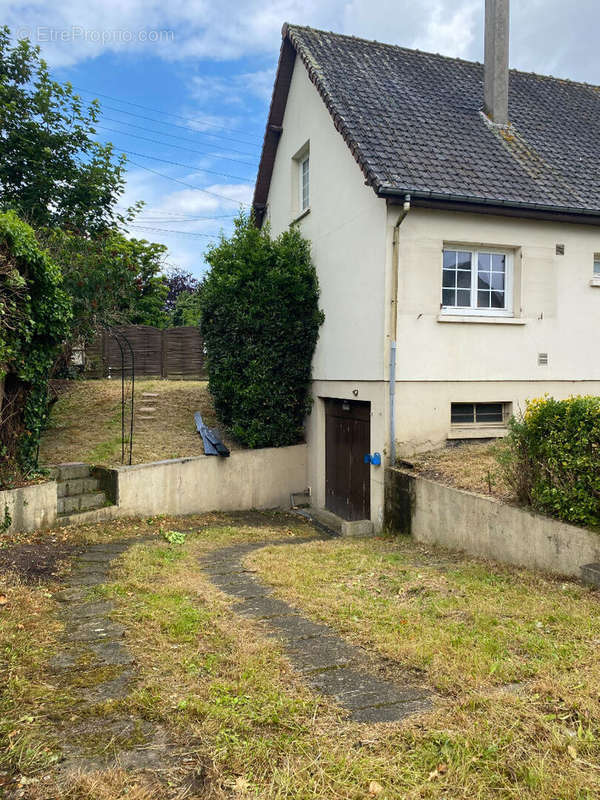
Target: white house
[(454, 215)]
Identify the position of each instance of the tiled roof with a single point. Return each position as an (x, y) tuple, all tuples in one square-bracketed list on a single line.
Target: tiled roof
[(414, 123)]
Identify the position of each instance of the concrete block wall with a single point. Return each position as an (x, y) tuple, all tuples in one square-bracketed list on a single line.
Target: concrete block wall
[(437, 514)]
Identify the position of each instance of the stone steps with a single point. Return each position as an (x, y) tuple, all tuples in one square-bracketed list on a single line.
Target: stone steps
[(79, 494), (148, 408), (80, 502)]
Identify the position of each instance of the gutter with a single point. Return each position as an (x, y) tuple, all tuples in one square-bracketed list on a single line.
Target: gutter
[(488, 202), (394, 327)]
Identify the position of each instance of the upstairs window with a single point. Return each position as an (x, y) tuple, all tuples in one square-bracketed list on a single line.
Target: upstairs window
[(303, 181), (596, 265), (477, 282)]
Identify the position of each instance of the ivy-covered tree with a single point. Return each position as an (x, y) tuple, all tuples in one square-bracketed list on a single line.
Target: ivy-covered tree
[(35, 315), (260, 323)]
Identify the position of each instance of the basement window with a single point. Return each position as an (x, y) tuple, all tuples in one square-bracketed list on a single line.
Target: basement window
[(477, 282), (477, 413)]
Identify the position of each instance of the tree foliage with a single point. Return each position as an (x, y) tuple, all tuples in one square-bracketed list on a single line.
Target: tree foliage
[(187, 309), (260, 323), (53, 172), (179, 282), (112, 280), (552, 458), (57, 177), (35, 314)]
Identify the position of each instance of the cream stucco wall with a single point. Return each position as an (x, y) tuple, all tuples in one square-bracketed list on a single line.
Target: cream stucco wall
[(438, 362), (346, 226), (347, 229), (443, 362), (374, 392)]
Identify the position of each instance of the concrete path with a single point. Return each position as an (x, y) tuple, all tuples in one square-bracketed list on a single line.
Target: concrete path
[(327, 662), (94, 666)]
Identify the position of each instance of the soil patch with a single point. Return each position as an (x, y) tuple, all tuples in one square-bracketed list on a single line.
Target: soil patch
[(40, 561)]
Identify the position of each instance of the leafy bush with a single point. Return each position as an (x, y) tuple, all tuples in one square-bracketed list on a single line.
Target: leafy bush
[(551, 458), (35, 313), (260, 321)]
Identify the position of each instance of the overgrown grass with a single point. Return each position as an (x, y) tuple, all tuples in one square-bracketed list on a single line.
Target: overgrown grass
[(473, 467), (245, 724), (511, 653), (85, 422)]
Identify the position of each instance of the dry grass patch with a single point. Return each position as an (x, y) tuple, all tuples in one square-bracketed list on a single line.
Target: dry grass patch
[(85, 422), (473, 467), (240, 723), (513, 653)]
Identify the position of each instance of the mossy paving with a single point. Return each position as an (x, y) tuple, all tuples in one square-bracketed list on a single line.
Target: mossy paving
[(327, 662), (96, 670)]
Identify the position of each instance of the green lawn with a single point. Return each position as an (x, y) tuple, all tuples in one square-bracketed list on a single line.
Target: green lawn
[(511, 658)]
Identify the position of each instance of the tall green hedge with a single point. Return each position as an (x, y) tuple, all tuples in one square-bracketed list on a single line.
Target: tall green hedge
[(260, 322), (552, 458)]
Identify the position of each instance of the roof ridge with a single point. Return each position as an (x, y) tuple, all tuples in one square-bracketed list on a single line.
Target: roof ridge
[(541, 76)]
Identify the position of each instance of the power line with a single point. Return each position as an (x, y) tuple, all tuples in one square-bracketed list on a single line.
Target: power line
[(191, 185), (187, 166), (176, 146), (181, 216), (166, 113), (168, 230), (175, 218), (175, 136)]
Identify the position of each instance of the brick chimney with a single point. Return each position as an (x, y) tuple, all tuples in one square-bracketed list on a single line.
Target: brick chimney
[(496, 60)]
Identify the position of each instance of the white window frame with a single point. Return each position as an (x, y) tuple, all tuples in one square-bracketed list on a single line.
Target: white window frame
[(305, 159), (472, 310)]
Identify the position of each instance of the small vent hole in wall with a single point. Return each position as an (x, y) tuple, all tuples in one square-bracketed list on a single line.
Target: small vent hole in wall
[(542, 359), (560, 249)]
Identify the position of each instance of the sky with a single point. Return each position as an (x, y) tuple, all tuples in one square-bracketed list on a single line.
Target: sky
[(185, 85)]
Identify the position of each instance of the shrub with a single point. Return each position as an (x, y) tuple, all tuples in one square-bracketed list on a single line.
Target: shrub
[(35, 314), (552, 458), (260, 321)]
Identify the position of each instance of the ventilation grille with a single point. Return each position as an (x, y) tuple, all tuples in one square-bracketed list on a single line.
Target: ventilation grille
[(542, 359)]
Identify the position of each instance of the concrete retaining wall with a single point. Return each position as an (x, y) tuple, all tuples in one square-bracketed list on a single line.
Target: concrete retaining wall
[(436, 514), (247, 479), (29, 508)]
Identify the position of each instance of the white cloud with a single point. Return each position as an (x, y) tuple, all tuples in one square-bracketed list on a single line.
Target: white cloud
[(177, 210), (234, 90), (450, 32), (546, 35)]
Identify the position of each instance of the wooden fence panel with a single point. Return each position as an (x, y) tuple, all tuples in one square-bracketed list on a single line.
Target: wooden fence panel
[(172, 353), (184, 352)]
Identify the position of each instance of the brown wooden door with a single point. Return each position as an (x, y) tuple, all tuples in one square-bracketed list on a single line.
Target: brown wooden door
[(348, 440)]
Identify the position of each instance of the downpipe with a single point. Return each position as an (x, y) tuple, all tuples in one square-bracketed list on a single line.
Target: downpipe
[(394, 328)]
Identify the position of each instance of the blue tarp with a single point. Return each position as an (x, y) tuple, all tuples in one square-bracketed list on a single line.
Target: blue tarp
[(213, 446)]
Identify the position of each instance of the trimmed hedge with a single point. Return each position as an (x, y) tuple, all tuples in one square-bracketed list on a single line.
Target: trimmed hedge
[(260, 322), (552, 458)]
